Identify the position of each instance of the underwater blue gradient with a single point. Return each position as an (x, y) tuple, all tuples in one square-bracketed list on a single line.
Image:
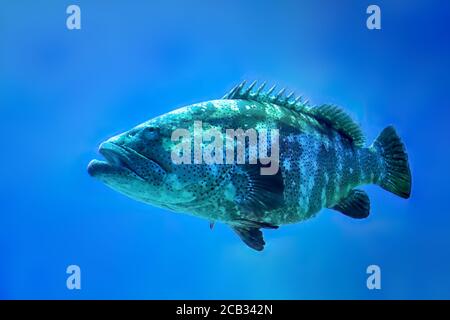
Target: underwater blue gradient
[(63, 92)]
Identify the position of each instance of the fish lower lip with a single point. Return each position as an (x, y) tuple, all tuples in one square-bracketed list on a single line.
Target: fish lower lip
[(96, 166)]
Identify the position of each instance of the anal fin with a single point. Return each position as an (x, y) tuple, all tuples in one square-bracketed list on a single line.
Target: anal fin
[(249, 232), (356, 205), (253, 237)]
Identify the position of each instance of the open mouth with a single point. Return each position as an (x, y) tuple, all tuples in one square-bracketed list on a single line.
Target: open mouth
[(118, 159)]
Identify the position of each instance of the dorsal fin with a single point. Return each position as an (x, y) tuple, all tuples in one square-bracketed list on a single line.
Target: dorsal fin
[(330, 115), (339, 120), (288, 101)]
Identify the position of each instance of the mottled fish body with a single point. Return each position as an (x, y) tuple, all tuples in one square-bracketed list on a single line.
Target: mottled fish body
[(321, 161)]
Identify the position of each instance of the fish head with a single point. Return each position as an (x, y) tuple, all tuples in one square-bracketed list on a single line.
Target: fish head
[(138, 163)]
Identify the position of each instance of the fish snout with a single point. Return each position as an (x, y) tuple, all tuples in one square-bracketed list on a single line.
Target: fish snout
[(116, 160)]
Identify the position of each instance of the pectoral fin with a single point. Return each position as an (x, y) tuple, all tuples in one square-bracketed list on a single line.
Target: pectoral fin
[(355, 205), (256, 192)]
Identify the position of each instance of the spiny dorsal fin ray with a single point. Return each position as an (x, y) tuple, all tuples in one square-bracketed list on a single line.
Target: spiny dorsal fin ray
[(330, 115), (290, 101)]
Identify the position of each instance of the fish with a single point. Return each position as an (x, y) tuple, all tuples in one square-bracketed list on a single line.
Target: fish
[(320, 161)]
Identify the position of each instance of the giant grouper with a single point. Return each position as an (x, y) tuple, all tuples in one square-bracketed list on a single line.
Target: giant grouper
[(322, 160)]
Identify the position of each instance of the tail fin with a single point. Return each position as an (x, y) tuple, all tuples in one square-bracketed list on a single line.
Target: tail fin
[(396, 177)]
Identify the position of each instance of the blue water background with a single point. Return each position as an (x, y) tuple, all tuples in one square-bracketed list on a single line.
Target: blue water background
[(62, 92)]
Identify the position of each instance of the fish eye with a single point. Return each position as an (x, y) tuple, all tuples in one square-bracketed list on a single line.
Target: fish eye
[(151, 132), (132, 133)]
